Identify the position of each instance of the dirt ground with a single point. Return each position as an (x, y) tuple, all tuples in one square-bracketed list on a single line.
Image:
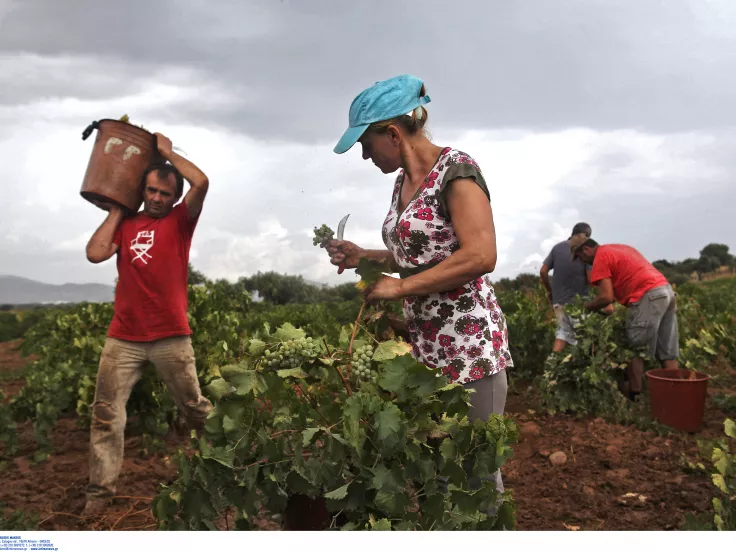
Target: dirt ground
[(613, 477)]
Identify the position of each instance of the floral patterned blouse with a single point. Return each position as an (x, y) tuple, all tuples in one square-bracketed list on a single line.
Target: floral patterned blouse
[(462, 331)]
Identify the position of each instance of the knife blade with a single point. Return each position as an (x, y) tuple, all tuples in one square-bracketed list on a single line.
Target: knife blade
[(341, 227), (340, 233)]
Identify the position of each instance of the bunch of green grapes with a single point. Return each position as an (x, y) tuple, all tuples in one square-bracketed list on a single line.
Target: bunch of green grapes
[(292, 354), (361, 364), (322, 235)]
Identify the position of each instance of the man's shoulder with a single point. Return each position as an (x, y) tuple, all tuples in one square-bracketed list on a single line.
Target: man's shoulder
[(617, 250), (561, 250)]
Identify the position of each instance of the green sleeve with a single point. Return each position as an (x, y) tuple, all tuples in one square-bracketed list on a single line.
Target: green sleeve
[(456, 171)]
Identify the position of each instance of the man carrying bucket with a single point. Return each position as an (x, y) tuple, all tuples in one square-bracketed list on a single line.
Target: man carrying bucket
[(150, 319), (622, 274)]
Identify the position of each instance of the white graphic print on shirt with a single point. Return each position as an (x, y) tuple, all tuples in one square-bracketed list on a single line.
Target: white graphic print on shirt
[(141, 244)]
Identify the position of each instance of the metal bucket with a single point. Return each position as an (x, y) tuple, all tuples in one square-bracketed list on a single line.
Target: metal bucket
[(120, 155)]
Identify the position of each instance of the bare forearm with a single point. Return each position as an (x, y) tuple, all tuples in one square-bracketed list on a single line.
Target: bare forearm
[(457, 270), (598, 303), (190, 171), (545, 281), (100, 245)]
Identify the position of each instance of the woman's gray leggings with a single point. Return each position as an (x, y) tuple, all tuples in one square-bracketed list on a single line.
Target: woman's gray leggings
[(489, 398)]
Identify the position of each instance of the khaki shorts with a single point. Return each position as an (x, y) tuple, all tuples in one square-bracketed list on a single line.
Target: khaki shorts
[(565, 326), (652, 323)]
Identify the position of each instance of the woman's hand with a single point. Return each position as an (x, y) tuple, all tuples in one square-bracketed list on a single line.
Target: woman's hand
[(386, 288), (344, 253)]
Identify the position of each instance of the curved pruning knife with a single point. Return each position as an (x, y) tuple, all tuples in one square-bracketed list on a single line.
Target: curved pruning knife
[(340, 233)]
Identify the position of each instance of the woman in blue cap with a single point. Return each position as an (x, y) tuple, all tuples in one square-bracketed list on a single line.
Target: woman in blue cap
[(440, 238)]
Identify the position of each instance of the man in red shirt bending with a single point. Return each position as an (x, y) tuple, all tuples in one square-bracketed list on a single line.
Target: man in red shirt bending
[(622, 274), (150, 319)]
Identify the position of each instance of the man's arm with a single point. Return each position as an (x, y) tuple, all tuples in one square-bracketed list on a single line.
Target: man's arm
[(544, 275), (604, 298), (198, 181), (100, 246)]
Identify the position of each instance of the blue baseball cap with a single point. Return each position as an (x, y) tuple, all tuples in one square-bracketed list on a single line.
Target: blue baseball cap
[(382, 101)]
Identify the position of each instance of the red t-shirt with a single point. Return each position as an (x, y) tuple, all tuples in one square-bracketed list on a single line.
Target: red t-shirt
[(153, 272), (630, 273)]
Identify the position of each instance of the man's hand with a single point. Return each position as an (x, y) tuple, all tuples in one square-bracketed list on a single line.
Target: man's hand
[(198, 181), (387, 288), (164, 145), (605, 296)]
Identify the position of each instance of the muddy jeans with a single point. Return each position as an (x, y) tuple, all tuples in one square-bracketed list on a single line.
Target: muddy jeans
[(121, 366)]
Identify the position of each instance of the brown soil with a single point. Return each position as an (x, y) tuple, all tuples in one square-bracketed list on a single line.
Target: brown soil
[(604, 463)]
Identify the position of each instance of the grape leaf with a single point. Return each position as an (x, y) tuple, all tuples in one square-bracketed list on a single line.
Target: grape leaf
[(256, 347), (447, 449), (720, 482), (308, 435), (388, 427), (393, 374), (292, 373), (248, 382), (344, 340), (218, 388), (287, 332), (388, 350), (370, 271), (382, 524), (228, 424), (231, 370), (339, 493), (386, 480), (464, 500), (391, 503), (298, 483), (730, 427)]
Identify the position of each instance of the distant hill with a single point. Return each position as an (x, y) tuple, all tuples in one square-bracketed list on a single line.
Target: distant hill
[(15, 290)]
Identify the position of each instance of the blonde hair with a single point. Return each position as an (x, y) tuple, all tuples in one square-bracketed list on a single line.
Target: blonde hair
[(411, 122)]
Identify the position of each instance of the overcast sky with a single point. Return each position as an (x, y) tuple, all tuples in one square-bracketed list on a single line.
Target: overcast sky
[(621, 113)]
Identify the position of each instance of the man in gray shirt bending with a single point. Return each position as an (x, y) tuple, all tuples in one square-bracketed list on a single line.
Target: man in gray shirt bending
[(569, 280)]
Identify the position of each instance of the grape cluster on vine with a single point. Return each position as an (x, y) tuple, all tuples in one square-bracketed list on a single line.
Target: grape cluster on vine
[(322, 235), (361, 364), (292, 354)]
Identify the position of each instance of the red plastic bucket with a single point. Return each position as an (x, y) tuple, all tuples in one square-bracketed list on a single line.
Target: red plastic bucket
[(677, 397)]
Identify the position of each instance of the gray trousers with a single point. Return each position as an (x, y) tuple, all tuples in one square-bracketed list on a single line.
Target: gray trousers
[(489, 398), (121, 366)]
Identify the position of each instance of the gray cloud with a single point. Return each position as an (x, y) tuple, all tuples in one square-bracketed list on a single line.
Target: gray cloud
[(291, 68), (284, 74)]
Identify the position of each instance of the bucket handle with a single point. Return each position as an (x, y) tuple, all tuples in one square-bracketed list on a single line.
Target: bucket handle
[(87, 131)]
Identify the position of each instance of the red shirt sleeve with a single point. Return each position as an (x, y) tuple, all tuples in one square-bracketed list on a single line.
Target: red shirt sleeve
[(601, 267), (117, 239), (186, 223)]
